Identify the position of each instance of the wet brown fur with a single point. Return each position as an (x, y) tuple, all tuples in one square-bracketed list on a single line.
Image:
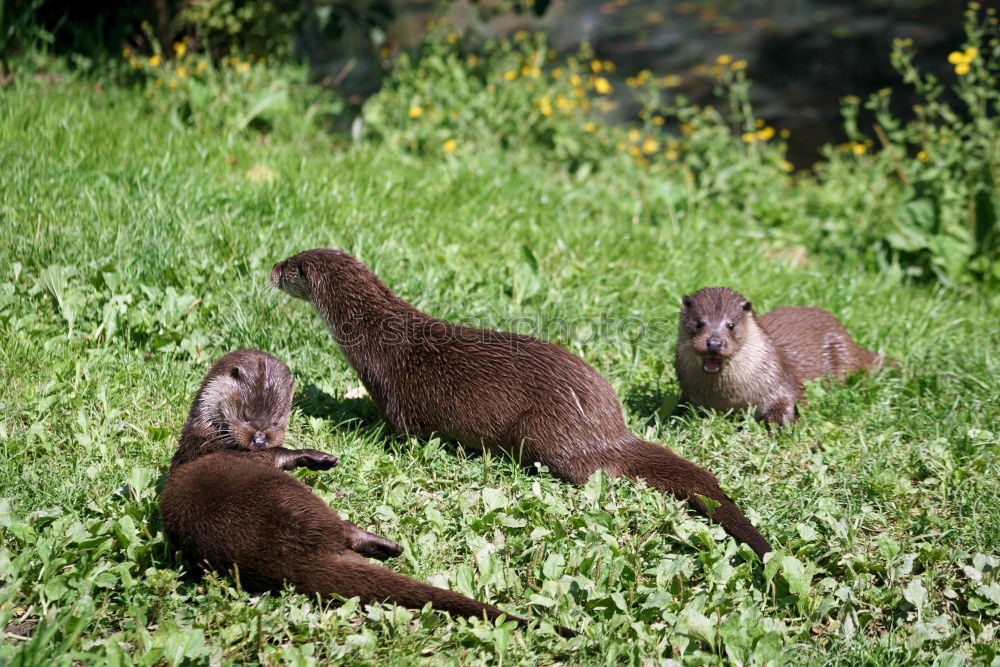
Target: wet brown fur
[(230, 506), (764, 361), (490, 390)]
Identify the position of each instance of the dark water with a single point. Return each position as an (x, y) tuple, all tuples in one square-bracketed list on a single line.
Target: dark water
[(803, 55)]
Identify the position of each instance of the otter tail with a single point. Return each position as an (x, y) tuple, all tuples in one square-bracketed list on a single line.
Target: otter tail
[(663, 469), (866, 359), (348, 575)]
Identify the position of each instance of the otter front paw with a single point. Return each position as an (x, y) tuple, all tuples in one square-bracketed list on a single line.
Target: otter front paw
[(315, 460)]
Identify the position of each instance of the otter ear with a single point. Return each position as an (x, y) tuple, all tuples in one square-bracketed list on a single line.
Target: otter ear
[(235, 373), (687, 301), (747, 306)]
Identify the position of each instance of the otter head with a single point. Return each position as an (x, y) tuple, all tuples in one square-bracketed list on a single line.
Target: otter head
[(715, 321), (302, 275), (246, 399)]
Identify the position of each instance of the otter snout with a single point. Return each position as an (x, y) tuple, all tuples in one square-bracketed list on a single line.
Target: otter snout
[(259, 439), (276, 274), (714, 344)]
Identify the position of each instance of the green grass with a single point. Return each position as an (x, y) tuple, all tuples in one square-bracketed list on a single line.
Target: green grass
[(134, 251)]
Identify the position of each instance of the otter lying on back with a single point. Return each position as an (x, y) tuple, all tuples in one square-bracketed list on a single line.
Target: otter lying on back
[(491, 390), (729, 359), (228, 503)]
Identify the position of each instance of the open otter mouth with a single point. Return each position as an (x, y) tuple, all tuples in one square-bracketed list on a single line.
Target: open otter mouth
[(711, 364)]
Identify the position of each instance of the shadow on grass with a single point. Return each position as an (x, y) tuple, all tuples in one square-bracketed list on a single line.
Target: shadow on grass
[(350, 413), (648, 400)]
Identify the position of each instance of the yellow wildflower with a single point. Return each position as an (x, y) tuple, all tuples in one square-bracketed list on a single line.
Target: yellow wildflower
[(786, 165), (633, 135), (472, 59), (126, 52), (922, 156), (563, 103), (621, 145), (758, 122), (633, 150), (766, 134), (172, 85), (521, 35), (961, 69), (550, 54), (452, 37), (579, 92), (157, 83), (670, 81), (649, 146), (509, 75), (724, 59), (180, 48), (749, 137), (738, 65), (687, 128), (545, 107), (589, 126), (785, 133), (416, 111), (602, 86), (243, 67), (449, 146), (202, 66), (155, 60), (609, 66), (557, 73), (658, 120), (595, 65), (525, 69), (575, 80), (670, 154), (181, 73), (858, 148)]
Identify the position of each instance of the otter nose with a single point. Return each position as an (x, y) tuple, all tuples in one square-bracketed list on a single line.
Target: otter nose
[(714, 343), (259, 439)]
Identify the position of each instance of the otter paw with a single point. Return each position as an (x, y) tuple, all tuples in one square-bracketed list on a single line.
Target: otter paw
[(316, 460)]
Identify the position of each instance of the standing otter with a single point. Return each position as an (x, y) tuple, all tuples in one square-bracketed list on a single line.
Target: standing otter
[(491, 390), (729, 359), (228, 504)]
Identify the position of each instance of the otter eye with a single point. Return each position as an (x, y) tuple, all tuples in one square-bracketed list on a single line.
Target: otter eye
[(730, 326), (699, 325)]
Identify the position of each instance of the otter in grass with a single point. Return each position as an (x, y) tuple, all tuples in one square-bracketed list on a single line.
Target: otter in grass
[(728, 358), (491, 390), (230, 505)]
